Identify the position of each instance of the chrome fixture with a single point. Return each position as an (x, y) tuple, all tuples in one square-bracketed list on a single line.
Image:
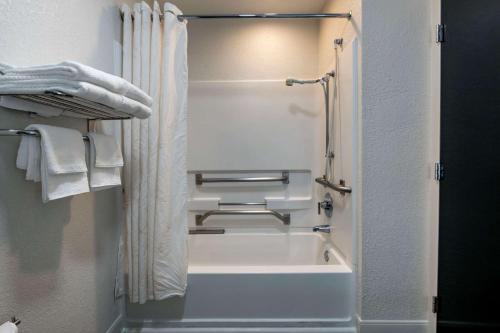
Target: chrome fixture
[(325, 83), (206, 231), (326, 205), (285, 218), (17, 132), (284, 179), (242, 203), (326, 255), (15, 321), (290, 82), (325, 228), (338, 42), (341, 188), (258, 16)]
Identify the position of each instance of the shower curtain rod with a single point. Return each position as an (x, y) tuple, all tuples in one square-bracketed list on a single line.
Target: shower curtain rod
[(260, 16)]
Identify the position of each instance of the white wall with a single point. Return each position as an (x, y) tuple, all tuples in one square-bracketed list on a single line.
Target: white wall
[(242, 117), (396, 176), (57, 260)]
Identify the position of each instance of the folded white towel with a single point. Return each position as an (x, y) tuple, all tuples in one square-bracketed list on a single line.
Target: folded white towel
[(63, 148), (8, 327), (107, 174), (57, 159), (83, 90), (107, 150), (74, 71), (24, 105)]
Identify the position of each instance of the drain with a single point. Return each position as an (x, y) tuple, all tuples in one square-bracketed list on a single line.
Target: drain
[(326, 255)]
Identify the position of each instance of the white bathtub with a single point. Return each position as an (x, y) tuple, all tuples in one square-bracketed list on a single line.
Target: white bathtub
[(250, 253), (258, 277)]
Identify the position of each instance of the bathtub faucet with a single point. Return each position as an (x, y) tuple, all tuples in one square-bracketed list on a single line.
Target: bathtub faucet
[(326, 228)]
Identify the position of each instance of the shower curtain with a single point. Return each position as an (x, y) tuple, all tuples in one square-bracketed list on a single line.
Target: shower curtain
[(155, 172)]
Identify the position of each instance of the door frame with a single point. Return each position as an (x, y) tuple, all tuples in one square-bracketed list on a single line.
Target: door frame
[(434, 152)]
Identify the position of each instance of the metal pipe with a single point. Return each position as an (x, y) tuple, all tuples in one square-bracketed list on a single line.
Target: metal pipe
[(258, 16), (206, 231), (285, 218), (265, 16), (17, 132), (242, 203)]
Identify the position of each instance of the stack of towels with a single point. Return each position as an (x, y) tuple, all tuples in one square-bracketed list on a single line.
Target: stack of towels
[(58, 159), (75, 79)]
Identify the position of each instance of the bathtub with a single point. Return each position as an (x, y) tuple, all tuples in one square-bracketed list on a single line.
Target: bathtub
[(259, 277)]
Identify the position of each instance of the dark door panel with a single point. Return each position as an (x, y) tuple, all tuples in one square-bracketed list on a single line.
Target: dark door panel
[(469, 226)]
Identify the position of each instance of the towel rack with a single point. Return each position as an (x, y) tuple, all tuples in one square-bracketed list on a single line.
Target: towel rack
[(285, 218), (16, 132), (82, 108), (200, 180)]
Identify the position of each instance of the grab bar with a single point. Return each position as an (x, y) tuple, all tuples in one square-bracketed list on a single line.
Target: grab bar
[(285, 218), (284, 179), (336, 187), (206, 231)]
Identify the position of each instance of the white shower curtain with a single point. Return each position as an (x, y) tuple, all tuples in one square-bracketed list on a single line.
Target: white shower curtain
[(155, 172)]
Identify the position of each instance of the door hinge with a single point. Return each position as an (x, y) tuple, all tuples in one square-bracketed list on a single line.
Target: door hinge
[(435, 304), (440, 29), (438, 171)]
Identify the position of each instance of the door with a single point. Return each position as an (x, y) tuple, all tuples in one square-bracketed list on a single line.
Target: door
[(469, 221)]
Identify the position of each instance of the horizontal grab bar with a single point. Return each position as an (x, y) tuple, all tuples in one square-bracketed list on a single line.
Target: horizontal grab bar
[(206, 231), (242, 203), (284, 179), (285, 218), (336, 187)]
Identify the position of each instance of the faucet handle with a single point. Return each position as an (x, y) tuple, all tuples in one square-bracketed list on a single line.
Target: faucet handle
[(326, 204), (326, 228)]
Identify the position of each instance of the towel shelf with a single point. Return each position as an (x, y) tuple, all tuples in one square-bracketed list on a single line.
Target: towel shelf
[(285, 218), (200, 180), (17, 132), (73, 106)]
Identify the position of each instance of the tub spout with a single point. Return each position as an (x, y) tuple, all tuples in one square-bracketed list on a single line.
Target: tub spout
[(326, 228)]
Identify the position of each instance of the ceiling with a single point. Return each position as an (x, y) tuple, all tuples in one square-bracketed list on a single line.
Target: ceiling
[(248, 6)]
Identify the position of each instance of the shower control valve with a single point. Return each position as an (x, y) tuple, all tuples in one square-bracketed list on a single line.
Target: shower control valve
[(326, 205)]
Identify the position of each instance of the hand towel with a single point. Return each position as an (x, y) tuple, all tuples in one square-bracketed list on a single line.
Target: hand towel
[(107, 151), (104, 171), (28, 157), (74, 71), (24, 105), (63, 149), (8, 327), (57, 159), (83, 90)]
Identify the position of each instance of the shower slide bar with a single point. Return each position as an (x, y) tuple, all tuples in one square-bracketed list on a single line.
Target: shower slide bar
[(17, 132), (200, 180), (285, 218), (260, 16)]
